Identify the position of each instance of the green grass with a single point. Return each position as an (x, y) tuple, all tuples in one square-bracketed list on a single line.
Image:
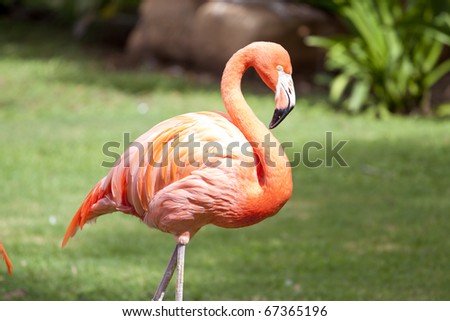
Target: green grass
[(376, 230)]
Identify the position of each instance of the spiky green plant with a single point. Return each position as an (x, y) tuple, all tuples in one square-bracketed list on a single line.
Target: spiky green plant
[(391, 58)]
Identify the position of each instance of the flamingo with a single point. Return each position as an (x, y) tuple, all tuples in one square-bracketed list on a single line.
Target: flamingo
[(178, 191), (6, 259)]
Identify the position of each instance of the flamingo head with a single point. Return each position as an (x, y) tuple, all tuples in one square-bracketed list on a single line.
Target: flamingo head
[(273, 65)]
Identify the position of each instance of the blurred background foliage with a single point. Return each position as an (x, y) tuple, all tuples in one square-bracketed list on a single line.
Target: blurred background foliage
[(388, 61)]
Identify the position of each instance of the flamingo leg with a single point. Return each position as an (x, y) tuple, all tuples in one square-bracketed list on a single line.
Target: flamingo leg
[(159, 294), (180, 272)]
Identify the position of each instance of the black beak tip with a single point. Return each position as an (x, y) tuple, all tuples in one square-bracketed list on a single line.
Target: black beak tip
[(278, 116)]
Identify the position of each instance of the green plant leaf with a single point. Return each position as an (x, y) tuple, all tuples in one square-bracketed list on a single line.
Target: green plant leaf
[(437, 73), (316, 41), (395, 48), (338, 86), (359, 94), (403, 73), (442, 36), (433, 56), (385, 10), (437, 31)]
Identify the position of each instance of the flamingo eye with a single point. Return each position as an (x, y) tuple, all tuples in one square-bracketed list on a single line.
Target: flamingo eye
[(280, 68)]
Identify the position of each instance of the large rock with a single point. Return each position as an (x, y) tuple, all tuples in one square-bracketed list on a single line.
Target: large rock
[(206, 33), (164, 29), (221, 28)]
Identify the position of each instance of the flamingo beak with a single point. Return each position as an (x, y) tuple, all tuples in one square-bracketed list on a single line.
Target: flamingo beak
[(284, 98)]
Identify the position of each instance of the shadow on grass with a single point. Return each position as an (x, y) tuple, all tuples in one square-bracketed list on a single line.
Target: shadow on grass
[(82, 64)]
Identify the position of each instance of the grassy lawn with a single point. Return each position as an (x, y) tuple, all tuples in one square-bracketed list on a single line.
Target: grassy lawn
[(376, 230)]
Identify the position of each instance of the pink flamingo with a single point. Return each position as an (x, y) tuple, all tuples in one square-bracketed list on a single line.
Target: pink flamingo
[(189, 191), (6, 259)]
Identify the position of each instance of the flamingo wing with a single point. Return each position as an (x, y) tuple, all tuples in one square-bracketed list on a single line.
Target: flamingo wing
[(168, 184)]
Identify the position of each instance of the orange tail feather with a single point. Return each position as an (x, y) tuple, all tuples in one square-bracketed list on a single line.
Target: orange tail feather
[(86, 212), (7, 260)]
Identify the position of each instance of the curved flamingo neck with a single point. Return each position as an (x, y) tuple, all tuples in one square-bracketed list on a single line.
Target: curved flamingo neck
[(276, 182), (240, 112)]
